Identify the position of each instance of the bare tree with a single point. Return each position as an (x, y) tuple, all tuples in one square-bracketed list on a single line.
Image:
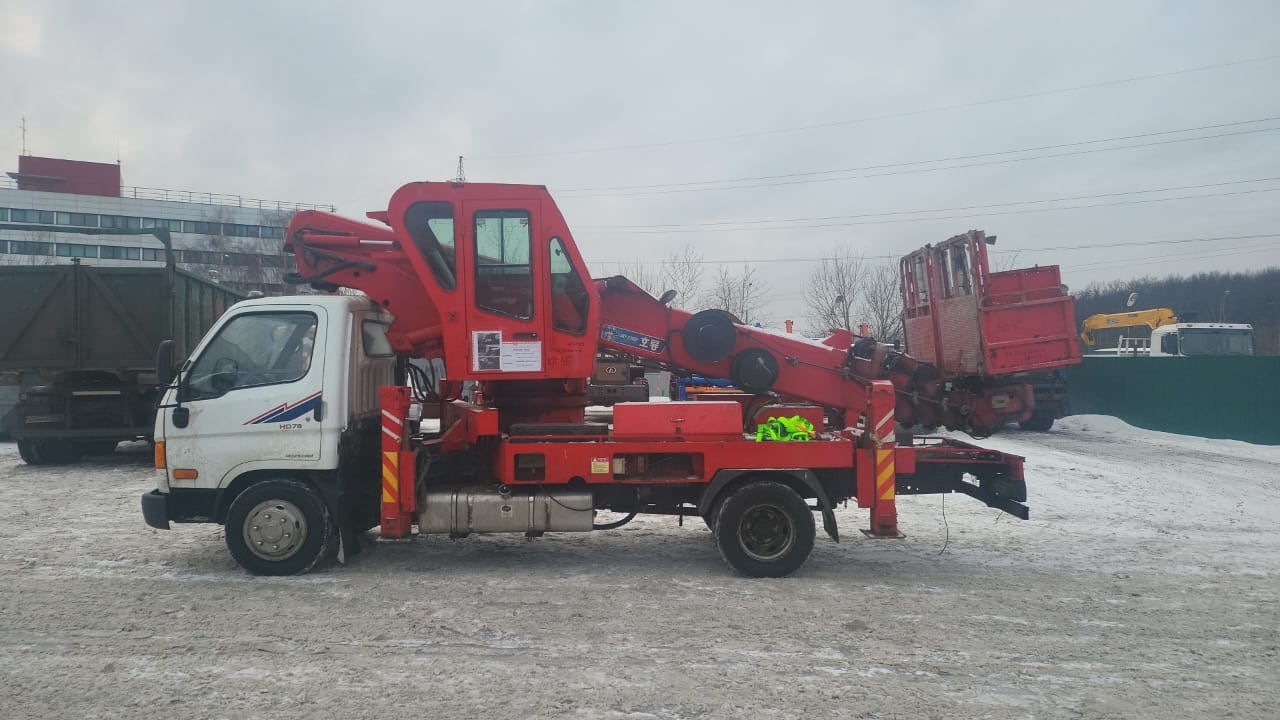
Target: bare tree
[(40, 239), (1008, 262), (247, 263), (741, 294), (641, 273), (683, 272), (832, 292), (881, 302)]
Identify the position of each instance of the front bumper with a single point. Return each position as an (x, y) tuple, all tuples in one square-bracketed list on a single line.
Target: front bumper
[(155, 509), (179, 505)]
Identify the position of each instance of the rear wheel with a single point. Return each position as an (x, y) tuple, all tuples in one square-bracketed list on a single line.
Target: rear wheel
[(764, 529), (48, 452), (279, 527), (29, 451)]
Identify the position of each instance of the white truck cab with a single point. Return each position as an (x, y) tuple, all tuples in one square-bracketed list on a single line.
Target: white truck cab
[(267, 427), (1185, 340)]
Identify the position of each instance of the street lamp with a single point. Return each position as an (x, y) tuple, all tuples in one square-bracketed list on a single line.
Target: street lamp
[(844, 310)]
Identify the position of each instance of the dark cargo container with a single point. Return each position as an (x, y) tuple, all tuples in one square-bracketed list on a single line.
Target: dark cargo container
[(91, 333)]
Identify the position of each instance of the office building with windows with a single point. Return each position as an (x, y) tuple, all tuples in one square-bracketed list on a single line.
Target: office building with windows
[(232, 240)]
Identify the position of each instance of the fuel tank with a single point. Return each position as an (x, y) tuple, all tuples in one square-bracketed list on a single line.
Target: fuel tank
[(484, 509)]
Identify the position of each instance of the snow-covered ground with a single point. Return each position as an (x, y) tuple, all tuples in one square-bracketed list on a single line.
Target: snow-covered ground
[(1145, 585)]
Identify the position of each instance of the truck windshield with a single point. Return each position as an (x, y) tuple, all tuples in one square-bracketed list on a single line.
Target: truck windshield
[(251, 350), (1208, 341)]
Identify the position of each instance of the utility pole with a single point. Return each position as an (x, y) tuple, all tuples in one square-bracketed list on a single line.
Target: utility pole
[(1273, 330)]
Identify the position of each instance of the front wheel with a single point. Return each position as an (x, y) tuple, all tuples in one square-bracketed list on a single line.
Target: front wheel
[(764, 529), (278, 527)]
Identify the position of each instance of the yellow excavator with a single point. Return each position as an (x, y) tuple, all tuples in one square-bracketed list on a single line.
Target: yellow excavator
[(1151, 318)]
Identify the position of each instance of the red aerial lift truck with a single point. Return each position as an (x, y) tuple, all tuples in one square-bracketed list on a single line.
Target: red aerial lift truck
[(487, 279)]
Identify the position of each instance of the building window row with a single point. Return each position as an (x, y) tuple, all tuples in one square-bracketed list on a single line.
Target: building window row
[(114, 252), (23, 247), (124, 222)]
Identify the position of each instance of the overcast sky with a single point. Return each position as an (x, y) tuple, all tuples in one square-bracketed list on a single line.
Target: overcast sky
[(342, 103)]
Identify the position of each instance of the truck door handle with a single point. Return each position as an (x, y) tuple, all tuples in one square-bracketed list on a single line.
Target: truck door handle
[(318, 412), (525, 335)]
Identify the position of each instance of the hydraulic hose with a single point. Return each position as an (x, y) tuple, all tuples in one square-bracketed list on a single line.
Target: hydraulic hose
[(615, 524)]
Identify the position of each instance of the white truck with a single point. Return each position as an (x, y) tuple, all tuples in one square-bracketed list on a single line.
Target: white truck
[(272, 425), (1185, 340)]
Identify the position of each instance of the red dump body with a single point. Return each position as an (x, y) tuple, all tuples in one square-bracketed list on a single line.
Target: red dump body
[(970, 321)]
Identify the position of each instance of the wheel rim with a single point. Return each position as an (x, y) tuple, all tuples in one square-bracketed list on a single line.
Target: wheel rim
[(766, 532), (275, 530)]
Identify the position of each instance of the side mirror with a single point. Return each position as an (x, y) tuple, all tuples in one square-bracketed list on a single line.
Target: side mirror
[(224, 375), (165, 371), (667, 297)]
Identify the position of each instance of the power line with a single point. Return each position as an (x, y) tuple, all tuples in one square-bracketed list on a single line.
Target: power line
[(913, 171), (885, 116), (1056, 248), (929, 218), (1163, 258), (672, 227), (1167, 257), (924, 162)]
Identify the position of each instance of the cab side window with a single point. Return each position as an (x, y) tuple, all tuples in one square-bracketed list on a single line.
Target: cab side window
[(569, 298), (504, 269), (251, 351), (430, 224)]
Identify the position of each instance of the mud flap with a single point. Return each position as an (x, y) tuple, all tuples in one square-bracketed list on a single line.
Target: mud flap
[(810, 481)]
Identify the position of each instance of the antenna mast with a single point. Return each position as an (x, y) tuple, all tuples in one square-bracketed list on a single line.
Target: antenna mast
[(24, 136), (462, 176)]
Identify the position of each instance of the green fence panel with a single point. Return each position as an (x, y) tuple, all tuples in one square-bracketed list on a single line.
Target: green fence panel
[(1213, 397)]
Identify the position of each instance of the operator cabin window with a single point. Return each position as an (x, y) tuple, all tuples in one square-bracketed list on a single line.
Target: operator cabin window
[(430, 224), (922, 281), (940, 262), (960, 270), (504, 273), (251, 351), (569, 299)]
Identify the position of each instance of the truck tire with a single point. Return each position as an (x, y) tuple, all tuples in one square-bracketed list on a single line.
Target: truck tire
[(29, 451), (48, 452), (764, 529), (279, 527), (1038, 422)]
